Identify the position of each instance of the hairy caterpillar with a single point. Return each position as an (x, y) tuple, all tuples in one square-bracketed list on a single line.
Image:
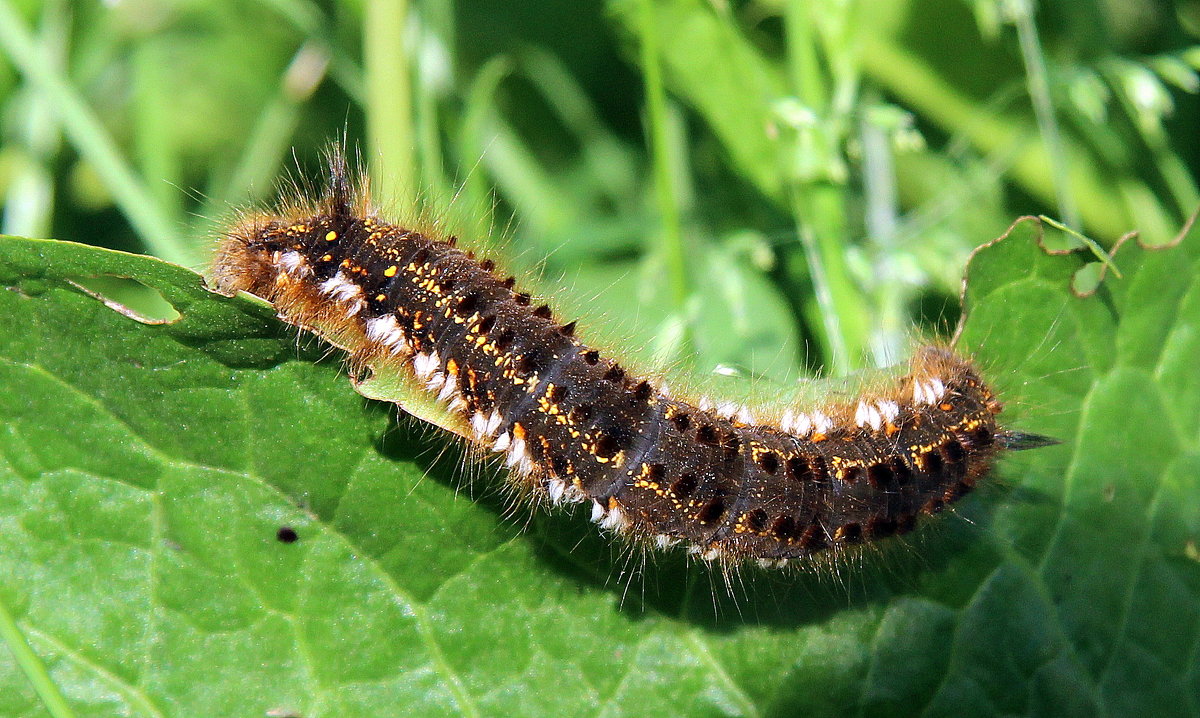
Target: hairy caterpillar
[(575, 426)]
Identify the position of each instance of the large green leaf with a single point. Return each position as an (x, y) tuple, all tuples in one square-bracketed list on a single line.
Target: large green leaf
[(145, 470)]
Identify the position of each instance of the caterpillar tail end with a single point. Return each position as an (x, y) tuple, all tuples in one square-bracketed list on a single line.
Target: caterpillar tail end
[(1020, 441)]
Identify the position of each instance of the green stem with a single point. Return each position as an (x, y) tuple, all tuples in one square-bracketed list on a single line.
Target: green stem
[(438, 26), (882, 219), (391, 137), (818, 203), (52, 698), (92, 141), (668, 207), (1043, 109), (804, 65), (816, 210)]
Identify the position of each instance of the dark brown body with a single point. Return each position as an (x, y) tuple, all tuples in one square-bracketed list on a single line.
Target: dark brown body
[(657, 467)]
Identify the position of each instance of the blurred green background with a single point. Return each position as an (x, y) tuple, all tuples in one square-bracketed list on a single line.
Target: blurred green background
[(768, 186)]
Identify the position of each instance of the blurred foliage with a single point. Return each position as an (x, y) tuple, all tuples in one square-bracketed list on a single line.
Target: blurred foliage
[(833, 161), (767, 186)]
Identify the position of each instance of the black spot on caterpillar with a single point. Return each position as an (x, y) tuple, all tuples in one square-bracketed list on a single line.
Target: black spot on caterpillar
[(576, 426)]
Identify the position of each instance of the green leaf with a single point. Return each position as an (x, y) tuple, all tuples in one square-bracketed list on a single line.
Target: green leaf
[(145, 470)]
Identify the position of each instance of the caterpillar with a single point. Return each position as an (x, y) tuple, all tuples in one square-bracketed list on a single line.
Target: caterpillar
[(574, 425)]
